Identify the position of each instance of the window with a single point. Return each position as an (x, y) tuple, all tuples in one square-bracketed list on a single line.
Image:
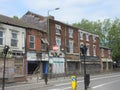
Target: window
[(102, 52), (58, 42), (32, 41), (1, 37), (81, 45), (87, 37), (88, 49), (14, 39), (81, 35), (94, 39), (109, 53), (70, 33), (44, 43), (94, 50), (58, 29), (71, 46)]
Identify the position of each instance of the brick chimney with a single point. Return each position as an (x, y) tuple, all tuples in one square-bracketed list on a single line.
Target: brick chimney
[(51, 17)]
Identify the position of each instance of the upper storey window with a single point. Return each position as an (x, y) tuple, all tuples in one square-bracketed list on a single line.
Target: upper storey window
[(71, 46), (102, 52), (32, 41), (109, 53), (70, 32), (87, 37), (58, 29), (81, 35), (58, 42), (1, 37), (14, 39), (94, 40)]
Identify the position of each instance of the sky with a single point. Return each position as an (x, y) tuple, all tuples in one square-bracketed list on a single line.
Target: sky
[(71, 11)]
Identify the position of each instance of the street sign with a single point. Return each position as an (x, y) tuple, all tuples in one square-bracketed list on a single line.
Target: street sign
[(55, 48)]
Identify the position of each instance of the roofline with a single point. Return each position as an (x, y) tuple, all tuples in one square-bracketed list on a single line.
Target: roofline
[(22, 26), (72, 26)]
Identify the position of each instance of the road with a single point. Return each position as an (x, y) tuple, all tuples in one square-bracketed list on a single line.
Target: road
[(99, 82)]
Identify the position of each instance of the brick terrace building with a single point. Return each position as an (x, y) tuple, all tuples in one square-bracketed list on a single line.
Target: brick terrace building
[(69, 39), (93, 55), (36, 45), (106, 59), (68, 58)]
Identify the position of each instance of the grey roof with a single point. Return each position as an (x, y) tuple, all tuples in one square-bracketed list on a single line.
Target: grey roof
[(35, 19), (19, 23)]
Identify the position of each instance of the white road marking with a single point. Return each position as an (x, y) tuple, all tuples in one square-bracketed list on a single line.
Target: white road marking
[(54, 89), (105, 84), (83, 80)]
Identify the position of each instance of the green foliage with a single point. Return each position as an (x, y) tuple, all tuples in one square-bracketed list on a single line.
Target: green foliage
[(15, 17), (108, 31)]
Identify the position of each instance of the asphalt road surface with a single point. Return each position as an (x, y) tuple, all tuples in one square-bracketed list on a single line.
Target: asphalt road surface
[(99, 82)]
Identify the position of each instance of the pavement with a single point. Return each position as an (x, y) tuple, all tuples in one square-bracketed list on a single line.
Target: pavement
[(33, 83)]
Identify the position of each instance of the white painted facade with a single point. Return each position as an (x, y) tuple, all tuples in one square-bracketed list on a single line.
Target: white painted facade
[(7, 36)]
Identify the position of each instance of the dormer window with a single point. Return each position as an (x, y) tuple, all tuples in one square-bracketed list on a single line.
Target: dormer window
[(58, 29)]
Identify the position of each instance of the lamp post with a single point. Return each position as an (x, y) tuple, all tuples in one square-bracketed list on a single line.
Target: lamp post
[(48, 30), (48, 23), (83, 50), (64, 51), (5, 51)]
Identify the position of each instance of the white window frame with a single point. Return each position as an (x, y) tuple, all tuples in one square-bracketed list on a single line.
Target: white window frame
[(57, 29), (58, 42), (88, 50), (71, 46), (14, 38), (94, 40), (87, 37), (102, 52), (2, 37), (70, 32), (109, 53), (81, 35), (94, 50), (32, 42)]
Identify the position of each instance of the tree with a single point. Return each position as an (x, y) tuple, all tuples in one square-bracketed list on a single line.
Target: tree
[(114, 39), (108, 31), (15, 17), (90, 26)]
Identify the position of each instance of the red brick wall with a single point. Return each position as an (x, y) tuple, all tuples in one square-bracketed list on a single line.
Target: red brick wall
[(64, 35), (38, 35)]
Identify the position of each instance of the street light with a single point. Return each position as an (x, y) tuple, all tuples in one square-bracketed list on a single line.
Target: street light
[(64, 51), (83, 50), (48, 23), (5, 51), (48, 29)]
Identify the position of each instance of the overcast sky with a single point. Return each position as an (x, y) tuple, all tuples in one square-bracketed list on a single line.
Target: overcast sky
[(70, 11)]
